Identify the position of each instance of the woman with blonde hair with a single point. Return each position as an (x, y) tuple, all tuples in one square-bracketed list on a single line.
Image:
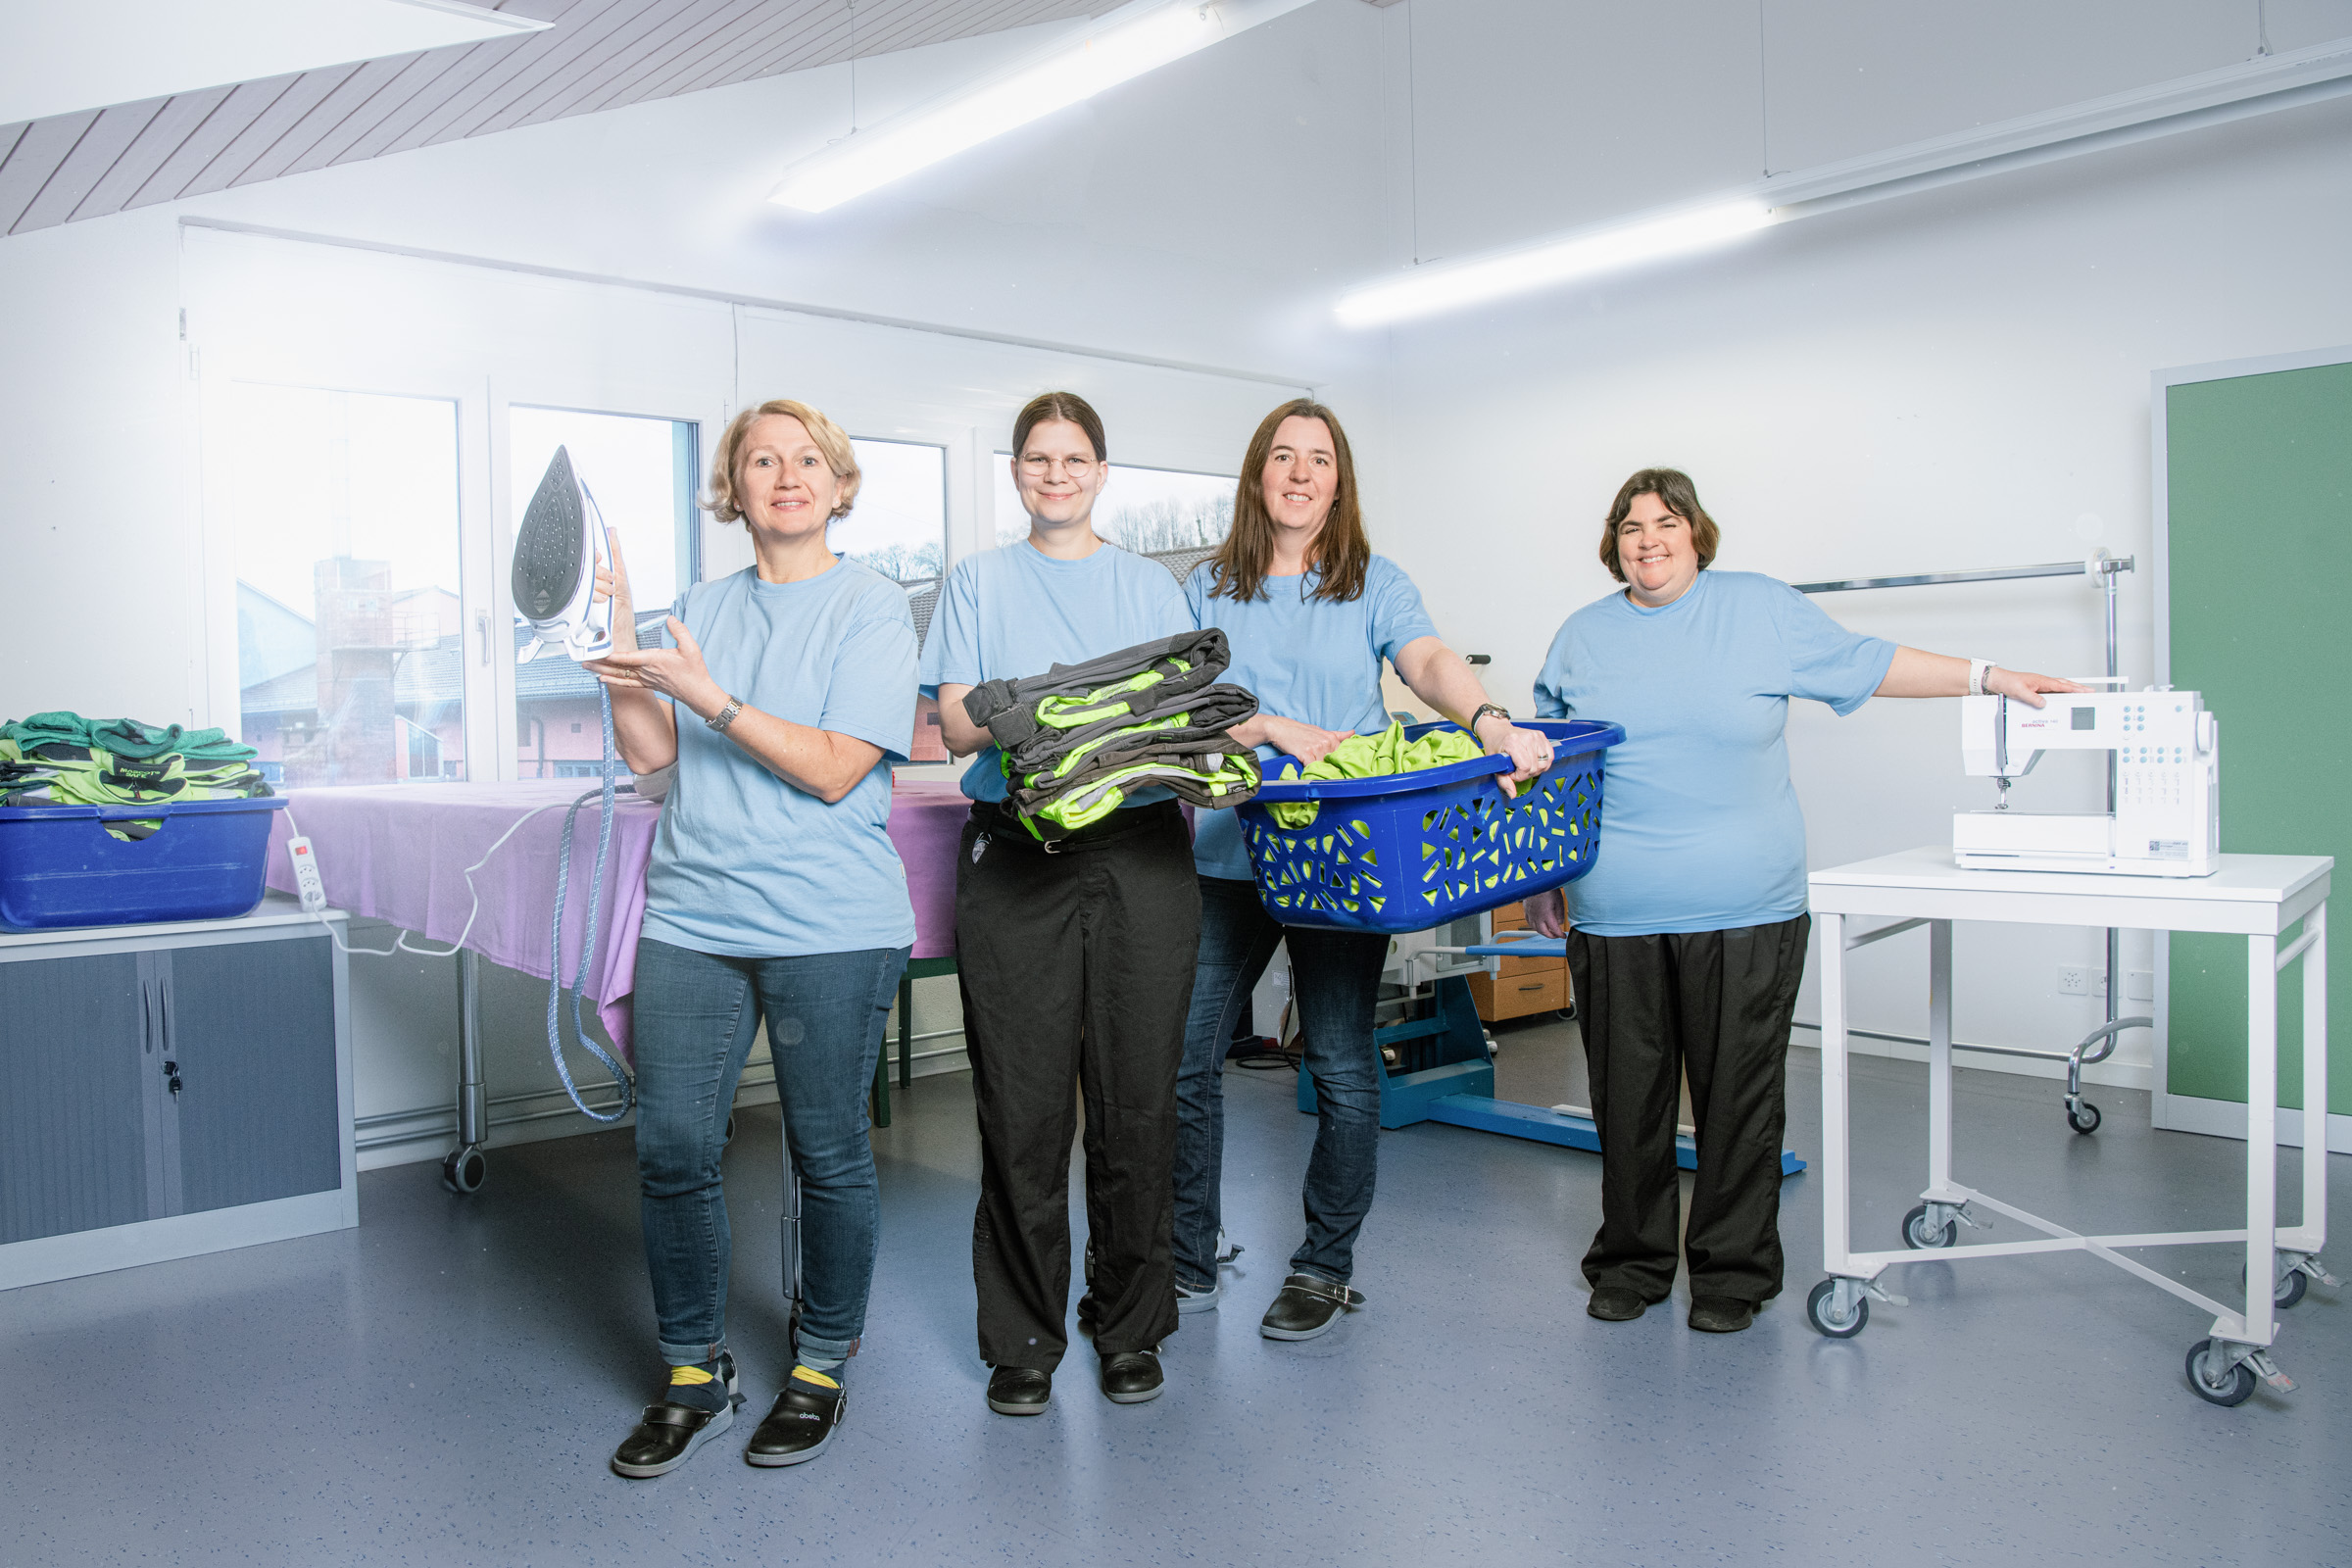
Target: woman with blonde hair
[(774, 893), (1312, 615)]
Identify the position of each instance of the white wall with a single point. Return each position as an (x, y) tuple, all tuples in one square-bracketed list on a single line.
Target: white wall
[(1954, 380)]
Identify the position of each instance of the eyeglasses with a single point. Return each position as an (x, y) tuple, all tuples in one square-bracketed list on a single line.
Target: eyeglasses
[(1038, 468)]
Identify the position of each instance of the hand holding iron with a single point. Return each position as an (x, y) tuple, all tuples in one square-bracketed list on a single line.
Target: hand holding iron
[(676, 673)]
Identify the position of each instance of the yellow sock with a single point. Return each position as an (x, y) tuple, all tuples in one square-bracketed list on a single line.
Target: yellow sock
[(810, 1375)]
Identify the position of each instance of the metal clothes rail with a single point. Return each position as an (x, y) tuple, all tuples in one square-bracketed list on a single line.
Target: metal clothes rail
[(2103, 569)]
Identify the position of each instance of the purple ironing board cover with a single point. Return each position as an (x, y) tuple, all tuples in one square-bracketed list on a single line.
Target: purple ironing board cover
[(399, 853)]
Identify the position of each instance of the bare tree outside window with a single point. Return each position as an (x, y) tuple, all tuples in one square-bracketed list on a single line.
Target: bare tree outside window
[(1152, 511)]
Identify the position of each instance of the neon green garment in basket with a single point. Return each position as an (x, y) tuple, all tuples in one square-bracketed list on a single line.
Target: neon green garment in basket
[(1375, 757)]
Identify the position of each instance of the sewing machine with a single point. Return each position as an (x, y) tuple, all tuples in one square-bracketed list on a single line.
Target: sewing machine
[(2167, 795)]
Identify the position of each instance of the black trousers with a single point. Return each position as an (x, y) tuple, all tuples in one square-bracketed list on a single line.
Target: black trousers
[(1076, 968), (1716, 1005)]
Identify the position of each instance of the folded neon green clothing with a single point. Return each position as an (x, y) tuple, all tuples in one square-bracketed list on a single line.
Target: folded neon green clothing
[(127, 738), (59, 774), (1374, 757), (1211, 781)]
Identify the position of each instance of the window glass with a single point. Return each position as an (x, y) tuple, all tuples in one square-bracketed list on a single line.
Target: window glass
[(899, 526), (1163, 513), (350, 635), (642, 473)]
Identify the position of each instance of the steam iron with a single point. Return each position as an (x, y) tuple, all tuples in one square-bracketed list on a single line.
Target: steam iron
[(556, 553)]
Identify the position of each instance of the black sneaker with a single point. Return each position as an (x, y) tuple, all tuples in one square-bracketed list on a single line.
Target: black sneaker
[(1614, 1303), (1019, 1391), (1130, 1377), (802, 1422), (1308, 1305), (667, 1434)]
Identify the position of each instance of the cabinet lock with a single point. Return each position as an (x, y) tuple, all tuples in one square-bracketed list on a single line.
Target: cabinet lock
[(172, 1076)]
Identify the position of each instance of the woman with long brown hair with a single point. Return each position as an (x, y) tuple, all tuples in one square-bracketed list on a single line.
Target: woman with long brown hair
[(1312, 615)]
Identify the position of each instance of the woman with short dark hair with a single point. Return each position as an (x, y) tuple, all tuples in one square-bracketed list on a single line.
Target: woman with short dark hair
[(1312, 615), (1688, 933)]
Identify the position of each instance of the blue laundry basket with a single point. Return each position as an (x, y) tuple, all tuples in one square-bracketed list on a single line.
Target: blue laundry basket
[(58, 867), (1410, 851)]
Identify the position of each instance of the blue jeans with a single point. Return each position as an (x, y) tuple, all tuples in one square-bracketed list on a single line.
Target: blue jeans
[(696, 1014), (1334, 979)]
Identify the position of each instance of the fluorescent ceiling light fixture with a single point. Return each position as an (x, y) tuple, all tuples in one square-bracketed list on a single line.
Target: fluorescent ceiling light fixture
[(57, 57), (1123, 45), (1432, 289)]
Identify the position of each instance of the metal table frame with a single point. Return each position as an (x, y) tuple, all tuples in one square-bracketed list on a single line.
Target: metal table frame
[(2259, 896)]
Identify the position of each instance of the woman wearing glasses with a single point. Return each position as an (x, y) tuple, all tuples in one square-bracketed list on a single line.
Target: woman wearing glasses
[(1075, 962)]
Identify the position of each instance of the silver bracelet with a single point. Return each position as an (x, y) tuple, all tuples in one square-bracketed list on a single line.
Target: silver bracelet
[(1978, 670), (725, 715)]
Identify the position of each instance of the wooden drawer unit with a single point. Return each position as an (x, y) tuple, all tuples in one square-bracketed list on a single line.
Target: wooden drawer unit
[(1521, 987)]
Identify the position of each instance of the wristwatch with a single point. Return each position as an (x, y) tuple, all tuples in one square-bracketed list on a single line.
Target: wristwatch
[(1483, 709), (725, 715)]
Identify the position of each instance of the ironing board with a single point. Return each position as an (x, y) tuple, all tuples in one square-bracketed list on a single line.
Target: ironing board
[(398, 853)]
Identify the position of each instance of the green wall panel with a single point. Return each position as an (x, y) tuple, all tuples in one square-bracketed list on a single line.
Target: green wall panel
[(2259, 469)]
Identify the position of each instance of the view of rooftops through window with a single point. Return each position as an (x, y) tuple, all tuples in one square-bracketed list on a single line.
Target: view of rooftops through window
[(345, 510)]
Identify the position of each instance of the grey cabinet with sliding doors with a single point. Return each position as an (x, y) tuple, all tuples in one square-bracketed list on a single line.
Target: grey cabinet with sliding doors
[(171, 1089)]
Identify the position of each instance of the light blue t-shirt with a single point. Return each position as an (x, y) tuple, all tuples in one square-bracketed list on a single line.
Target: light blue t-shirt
[(1306, 659), (1700, 828), (746, 864), (1010, 613)]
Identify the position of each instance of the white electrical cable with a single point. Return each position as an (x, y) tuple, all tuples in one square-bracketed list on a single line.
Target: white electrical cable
[(400, 943)]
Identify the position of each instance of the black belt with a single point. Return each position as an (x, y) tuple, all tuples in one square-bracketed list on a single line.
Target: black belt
[(999, 818)]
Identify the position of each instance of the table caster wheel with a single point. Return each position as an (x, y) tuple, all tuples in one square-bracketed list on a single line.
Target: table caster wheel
[(464, 1170), (2288, 1292), (2085, 1120), (730, 1133), (1821, 1304), (1916, 1233), (2236, 1385)]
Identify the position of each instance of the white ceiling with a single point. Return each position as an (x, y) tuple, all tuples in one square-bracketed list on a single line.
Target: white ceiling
[(597, 54), (55, 58)]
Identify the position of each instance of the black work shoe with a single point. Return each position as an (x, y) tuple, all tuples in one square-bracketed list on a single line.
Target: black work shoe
[(802, 1422), (1089, 1309), (1614, 1303), (1130, 1377), (1721, 1314), (1305, 1306), (668, 1433), (1019, 1391)]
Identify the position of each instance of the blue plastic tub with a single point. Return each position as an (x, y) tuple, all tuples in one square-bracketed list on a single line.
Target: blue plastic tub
[(1410, 851), (58, 867)]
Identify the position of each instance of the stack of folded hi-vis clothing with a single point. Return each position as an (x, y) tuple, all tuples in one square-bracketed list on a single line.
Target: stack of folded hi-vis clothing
[(64, 759), (1082, 740)]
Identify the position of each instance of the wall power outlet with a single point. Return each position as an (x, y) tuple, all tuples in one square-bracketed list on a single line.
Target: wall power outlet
[(2074, 980)]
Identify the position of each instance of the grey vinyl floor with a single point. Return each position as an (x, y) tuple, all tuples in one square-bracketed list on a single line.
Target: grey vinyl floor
[(442, 1386)]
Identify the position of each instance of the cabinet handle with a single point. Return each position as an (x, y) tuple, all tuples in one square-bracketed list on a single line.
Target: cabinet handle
[(1538, 986)]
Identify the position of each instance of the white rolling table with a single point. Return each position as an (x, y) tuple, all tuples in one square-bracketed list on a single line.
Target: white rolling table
[(2256, 896)]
